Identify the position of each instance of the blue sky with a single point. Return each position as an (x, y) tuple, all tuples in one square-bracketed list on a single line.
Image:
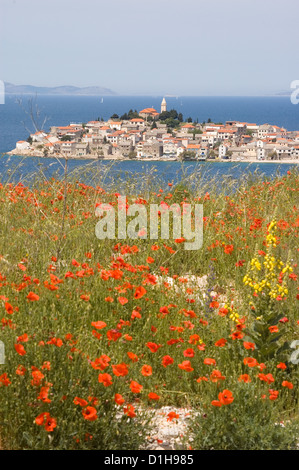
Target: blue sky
[(190, 47)]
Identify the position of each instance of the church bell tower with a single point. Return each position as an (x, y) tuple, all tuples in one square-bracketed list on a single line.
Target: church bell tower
[(163, 105)]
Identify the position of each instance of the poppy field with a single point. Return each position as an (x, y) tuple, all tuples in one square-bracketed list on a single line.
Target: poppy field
[(98, 332)]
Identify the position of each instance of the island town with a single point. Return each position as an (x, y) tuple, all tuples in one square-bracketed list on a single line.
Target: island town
[(164, 135)]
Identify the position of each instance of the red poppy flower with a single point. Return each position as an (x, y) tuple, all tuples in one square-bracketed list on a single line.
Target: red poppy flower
[(98, 324), (20, 349), (189, 352), (113, 335), (237, 335), (135, 387), (153, 396), (244, 378), (193, 339), (101, 362), (132, 356), (32, 296), (216, 376), (228, 249), (164, 310), (80, 401), (85, 297), (135, 314), (44, 419), (89, 413), (221, 342), (153, 347), (23, 338), (105, 379), (226, 397), (266, 378), (172, 415), (167, 361), (120, 370), (283, 320), (21, 370), (119, 400), (281, 365), (250, 362), (209, 361), (146, 370), (43, 395), (273, 394), (222, 312), (287, 384), (40, 419), (37, 377), (179, 240), (155, 247), (139, 292), (4, 380), (202, 379), (8, 308), (130, 411), (216, 403), (186, 365)]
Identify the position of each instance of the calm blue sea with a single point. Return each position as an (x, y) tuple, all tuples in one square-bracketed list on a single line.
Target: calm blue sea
[(138, 176), (16, 124)]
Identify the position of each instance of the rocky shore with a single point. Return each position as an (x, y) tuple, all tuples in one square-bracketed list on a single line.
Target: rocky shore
[(26, 153)]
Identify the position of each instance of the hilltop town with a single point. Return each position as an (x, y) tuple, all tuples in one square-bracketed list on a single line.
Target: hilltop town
[(148, 134)]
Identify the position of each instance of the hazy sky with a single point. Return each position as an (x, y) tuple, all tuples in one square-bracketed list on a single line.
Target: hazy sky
[(180, 47)]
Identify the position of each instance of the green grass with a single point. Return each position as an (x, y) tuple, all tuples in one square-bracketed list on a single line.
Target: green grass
[(48, 246)]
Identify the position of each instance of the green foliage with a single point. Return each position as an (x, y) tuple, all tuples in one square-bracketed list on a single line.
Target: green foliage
[(130, 115), (268, 344), (172, 118), (132, 155), (48, 246), (66, 138), (188, 155), (195, 131), (247, 424)]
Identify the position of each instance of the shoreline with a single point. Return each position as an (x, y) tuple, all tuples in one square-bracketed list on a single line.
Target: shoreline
[(12, 153)]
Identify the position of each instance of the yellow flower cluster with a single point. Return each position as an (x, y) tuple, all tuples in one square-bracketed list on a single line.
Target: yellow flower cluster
[(234, 316), (266, 276), (270, 238)]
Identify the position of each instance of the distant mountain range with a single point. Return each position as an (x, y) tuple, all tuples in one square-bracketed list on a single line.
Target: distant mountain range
[(10, 88), (284, 93)]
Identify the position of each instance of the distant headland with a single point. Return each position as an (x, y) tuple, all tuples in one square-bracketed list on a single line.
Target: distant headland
[(10, 88)]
